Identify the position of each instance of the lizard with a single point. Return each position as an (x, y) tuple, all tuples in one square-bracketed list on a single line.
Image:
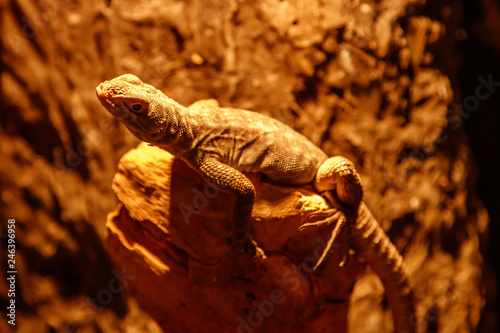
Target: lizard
[(220, 144)]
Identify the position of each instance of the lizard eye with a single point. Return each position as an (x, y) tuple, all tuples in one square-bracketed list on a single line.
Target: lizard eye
[(136, 107)]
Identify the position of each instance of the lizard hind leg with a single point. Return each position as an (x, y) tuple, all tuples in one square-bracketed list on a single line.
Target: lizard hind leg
[(340, 184), (337, 174)]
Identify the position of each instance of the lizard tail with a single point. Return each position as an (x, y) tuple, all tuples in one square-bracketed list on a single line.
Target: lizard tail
[(371, 243)]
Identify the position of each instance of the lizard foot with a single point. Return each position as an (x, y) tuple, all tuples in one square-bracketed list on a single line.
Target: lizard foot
[(248, 247), (240, 261), (330, 216)]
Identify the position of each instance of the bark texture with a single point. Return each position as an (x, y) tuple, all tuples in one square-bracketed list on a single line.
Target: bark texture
[(359, 78)]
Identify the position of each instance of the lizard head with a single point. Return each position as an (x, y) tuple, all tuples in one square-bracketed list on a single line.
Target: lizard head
[(137, 105)]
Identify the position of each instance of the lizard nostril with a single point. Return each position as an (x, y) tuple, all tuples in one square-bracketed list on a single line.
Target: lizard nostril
[(105, 91)]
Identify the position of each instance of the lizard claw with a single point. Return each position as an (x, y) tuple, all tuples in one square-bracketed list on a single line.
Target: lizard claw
[(248, 247), (239, 261), (331, 216)]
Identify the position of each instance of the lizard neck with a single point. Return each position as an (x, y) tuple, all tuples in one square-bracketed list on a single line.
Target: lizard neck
[(181, 129)]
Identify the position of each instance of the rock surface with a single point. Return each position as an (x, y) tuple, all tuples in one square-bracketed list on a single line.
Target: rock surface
[(171, 231)]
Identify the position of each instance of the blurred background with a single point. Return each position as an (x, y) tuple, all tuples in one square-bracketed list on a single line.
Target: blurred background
[(407, 89)]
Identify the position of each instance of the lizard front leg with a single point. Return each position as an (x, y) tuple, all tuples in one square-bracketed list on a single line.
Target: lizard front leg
[(233, 181), (338, 181)]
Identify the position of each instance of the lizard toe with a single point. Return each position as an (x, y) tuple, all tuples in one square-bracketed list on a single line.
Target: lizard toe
[(248, 247), (329, 216)]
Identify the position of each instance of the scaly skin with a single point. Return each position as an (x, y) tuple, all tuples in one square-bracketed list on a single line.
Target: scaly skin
[(371, 243), (221, 143)]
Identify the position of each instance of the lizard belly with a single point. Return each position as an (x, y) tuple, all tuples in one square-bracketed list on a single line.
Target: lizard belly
[(282, 158)]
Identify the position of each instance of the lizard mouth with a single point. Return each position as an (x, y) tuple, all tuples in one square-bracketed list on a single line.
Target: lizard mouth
[(157, 134)]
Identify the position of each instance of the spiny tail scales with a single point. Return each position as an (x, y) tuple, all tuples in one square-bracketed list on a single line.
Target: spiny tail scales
[(371, 243)]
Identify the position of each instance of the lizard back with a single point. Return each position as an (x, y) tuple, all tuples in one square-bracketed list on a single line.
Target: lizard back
[(252, 142)]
